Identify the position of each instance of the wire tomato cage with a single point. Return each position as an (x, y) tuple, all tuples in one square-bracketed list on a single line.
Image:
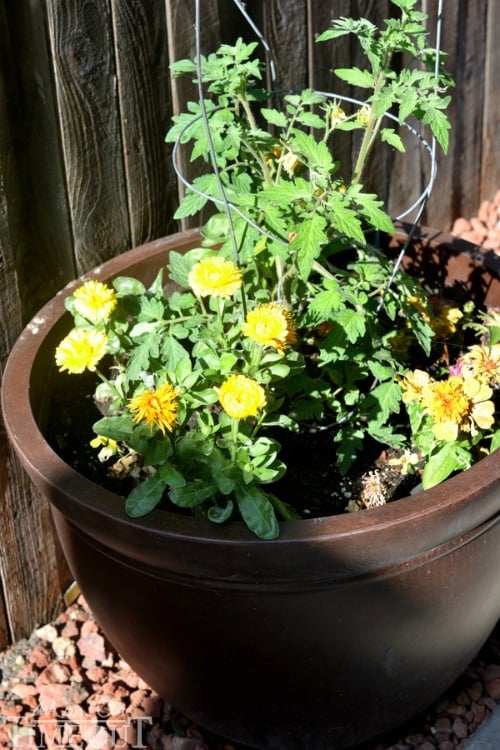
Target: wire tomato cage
[(429, 146)]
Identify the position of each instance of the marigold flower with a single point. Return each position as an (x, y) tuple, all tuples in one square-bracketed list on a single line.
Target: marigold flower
[(215, 276), (458, 404), (483, 362), (413, 385), (81, 350), (156, 408), (94, 300), (270, 324), (241, 397)]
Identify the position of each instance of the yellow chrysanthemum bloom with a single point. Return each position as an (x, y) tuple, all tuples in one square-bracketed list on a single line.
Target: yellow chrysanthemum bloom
[(241, 397), (81, 350), (216, 277), (413, 385), (156, 408), (483, 362), (94, 300), (270, 325)]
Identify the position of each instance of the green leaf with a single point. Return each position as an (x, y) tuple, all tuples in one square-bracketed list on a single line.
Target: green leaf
[(257, 511), (352, 322), (311, 235), (274, 117), (125, 285), (145, 497), (390, 136), (171, 476), (221, 513), (439, 466), (192, 493), (356, 77)]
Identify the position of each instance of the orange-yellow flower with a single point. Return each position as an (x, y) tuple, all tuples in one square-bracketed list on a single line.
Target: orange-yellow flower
[(241, 396), (270, 324), (94, 300), (458, 404), (81, 350), (156, 408), (216, 277)]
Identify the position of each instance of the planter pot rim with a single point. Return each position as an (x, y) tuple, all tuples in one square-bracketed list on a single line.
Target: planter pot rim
[(446, 504)]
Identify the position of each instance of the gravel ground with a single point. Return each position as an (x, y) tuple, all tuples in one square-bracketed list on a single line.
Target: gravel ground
[(65, 686)]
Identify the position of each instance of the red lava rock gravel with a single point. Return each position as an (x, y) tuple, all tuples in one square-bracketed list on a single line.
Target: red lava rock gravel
[(65, 686)]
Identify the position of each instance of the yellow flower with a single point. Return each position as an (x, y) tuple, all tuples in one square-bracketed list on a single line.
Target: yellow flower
[(81, 350), (363, 115), (446, 321), (94, 300), (336, 114), (108, 446), (483, 362), (270, 325), (458, 404), (156, 408), (290, 161), (406, 462), (241, 397), (413, 385), (482, 409), (215, 276)]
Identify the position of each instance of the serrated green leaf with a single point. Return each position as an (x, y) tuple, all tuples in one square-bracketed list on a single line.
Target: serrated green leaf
[(311, 235), (274, 117), (352, 322), (355, 77), (388, 135)]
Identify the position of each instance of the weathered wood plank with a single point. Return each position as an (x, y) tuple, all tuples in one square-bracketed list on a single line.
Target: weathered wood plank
[(141, 52), (85, 74), (32, 572), (490, 178), (42, 247), (285, 29)]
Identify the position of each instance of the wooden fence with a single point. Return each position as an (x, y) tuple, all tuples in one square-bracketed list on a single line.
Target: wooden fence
[(85, 100)]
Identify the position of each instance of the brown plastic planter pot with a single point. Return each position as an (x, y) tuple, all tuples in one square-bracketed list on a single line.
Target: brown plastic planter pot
[(339, 630)]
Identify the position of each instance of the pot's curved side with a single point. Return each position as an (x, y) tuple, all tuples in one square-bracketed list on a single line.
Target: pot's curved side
[(329, 667), (332, 606)]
